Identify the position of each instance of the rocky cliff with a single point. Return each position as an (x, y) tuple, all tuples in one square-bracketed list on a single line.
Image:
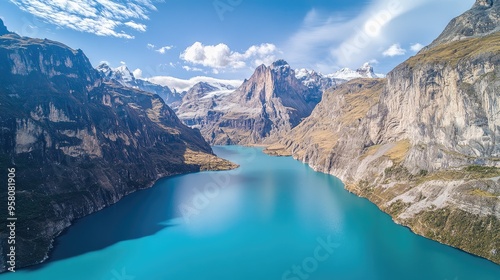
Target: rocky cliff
[(423, 143), (268, 104), (78, 143)]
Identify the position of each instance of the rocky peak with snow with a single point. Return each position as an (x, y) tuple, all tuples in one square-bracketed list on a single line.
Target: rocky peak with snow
[(366, 71), (269, 103), (319, 82), (482, 19), (125, 77), (3, 28)]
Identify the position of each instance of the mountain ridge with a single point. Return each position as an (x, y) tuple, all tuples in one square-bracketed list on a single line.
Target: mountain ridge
[(249, 115), (270, 102), (80, 143)]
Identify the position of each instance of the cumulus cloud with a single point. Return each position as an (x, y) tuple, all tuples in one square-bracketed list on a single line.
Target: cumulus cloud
[(416, 47), (222, 57), (151, 46), (394, 50), (181, 85), (101, 17), (164, 49)]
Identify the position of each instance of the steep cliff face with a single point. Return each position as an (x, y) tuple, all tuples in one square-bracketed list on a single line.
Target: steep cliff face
[(268, 104), (79, 144), (421, 144)]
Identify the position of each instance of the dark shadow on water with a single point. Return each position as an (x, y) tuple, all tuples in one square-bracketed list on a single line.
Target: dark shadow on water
[(143, 213)]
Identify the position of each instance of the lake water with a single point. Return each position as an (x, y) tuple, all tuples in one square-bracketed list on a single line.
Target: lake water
[(273, 218)]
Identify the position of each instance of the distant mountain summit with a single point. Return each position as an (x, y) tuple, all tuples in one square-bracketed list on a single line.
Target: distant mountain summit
[(125, 77), (322, 82), (120, 74), (271, 102)]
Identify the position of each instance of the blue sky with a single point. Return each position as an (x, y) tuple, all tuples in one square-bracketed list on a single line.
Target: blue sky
[(229, 38)]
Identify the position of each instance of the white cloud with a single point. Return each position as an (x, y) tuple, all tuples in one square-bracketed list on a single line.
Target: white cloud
[(151, 46), (394, 50), (416, 47), (172, 64), (102, 17), (137, 73), (123, 62), (187, 68), (221, 56), (183, 85), (164, 49)]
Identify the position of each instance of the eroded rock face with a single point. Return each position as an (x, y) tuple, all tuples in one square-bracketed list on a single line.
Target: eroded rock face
[(268, 104), (79, 143), (422, 144)]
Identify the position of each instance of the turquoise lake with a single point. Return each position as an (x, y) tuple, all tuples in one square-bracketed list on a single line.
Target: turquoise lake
[(273, 218)]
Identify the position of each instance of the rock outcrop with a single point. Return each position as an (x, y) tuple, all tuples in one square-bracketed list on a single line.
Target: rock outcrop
[(423, 143), (481, 20), (79, 143), (125, 77)]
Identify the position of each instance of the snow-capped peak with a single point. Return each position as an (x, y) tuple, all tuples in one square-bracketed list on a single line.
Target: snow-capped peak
[(121, 74)]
